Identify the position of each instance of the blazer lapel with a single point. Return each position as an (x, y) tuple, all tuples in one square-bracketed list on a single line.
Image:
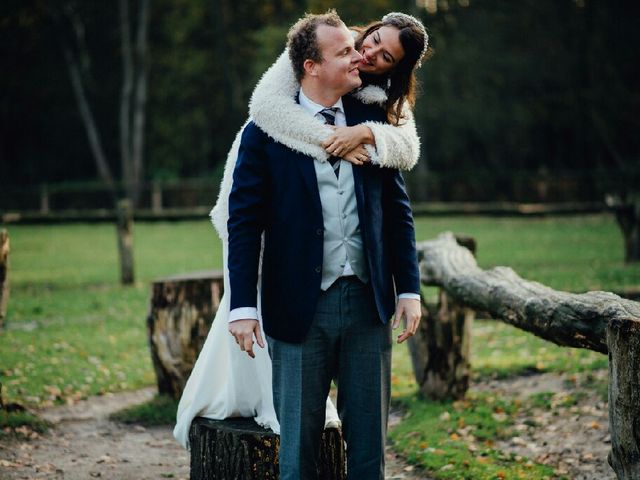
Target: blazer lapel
[(308, 172), (353, 116)]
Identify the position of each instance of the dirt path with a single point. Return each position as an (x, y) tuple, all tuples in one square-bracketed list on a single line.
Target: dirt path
[(568, 430), (85, 444)]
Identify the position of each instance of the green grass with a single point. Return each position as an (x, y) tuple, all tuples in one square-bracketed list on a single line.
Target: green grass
[(577, 254), (74, 332), (21, 424), (455, 440), (500, 351), (160, 410)]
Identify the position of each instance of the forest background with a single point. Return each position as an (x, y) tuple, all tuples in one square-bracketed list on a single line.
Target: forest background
[(529, 100)]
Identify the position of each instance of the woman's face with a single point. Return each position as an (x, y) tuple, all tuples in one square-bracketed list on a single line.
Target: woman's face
[(381, 51)]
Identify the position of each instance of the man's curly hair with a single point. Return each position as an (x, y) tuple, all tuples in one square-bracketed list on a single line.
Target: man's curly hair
[(302, 41)]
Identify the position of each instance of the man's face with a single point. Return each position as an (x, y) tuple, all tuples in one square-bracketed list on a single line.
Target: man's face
[(339, 68)]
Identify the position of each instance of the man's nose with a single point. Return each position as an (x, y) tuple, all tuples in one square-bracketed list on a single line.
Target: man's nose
[(356, 57)]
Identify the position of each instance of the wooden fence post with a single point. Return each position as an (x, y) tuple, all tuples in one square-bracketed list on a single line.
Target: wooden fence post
[(44, 199), (623, 339), (124, 229), (4, 275), (440, 349), (156, 197)]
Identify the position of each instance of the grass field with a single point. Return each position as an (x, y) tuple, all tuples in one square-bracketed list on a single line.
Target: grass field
[(73, 331)]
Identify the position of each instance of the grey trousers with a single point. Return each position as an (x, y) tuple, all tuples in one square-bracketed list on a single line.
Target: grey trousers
[(349, 344)]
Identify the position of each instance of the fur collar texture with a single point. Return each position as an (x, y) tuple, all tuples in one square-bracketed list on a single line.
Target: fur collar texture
[(273, 108)]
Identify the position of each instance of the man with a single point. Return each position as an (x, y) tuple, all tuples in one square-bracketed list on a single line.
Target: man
[(336, 240)]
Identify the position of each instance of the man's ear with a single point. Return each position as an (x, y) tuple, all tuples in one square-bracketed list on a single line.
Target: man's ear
[(310, 67)]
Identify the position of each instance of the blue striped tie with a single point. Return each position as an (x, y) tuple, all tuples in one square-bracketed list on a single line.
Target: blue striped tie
[(329, 115)]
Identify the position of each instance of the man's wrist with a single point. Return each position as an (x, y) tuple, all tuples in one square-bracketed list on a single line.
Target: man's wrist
[(243, 313), (412, 296)]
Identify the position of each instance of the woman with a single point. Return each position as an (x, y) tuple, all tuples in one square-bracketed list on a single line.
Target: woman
[(225, 382)]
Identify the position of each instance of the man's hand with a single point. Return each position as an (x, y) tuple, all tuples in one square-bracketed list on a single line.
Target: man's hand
[(357, 156), (243, 331), (411, 310)]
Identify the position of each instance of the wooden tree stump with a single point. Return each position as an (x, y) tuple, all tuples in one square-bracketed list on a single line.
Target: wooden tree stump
[(240, 449), (4, 275), (180, 315), (124, 229), (623, 338), (440, 348)]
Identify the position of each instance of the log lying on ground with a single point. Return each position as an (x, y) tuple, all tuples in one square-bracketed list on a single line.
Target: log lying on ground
[(4, 275), (599, 321), (240, 449), (180, 316), (567, 319)]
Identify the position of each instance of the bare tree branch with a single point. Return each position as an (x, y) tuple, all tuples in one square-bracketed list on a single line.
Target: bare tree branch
[(140, 99), (87, 118), (125, 97)]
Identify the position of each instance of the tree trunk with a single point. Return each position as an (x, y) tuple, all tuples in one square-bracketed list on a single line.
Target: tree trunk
[(240, 449), (627, 212), (139, 104), (124, 229), (623, 338), (180, 316), (440, 348), (125, 99), (4, 276), (88, 120)]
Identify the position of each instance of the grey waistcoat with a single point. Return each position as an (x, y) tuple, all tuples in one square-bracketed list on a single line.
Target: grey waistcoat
[(342, 239)]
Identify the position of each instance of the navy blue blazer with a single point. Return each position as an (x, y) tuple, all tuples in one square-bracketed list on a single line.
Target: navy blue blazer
[(275, 192)]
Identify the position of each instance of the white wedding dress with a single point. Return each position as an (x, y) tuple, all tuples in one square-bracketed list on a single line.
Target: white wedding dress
[(226, 382)]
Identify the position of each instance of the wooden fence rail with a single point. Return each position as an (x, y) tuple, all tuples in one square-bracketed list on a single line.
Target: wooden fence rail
[(599, 321)]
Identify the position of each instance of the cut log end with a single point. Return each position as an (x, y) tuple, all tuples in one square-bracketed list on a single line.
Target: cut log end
[(181, 312), (239, 448)]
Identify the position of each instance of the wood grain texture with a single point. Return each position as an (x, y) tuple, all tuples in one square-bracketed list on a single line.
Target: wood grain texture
[(240, 449), (567, 319), (181, 312)]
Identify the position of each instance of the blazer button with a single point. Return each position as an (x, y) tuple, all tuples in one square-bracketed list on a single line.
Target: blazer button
[(318, 269), (319, 231)]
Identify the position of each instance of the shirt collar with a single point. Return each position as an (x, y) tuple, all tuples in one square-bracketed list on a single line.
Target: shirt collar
[(315, 108)]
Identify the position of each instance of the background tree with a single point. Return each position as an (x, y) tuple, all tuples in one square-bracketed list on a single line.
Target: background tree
[(540, 89), (133, 93)]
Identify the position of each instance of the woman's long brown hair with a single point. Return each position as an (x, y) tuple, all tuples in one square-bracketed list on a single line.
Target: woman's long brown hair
[(400, 82)]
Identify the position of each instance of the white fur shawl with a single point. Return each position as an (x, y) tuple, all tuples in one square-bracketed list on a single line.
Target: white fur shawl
[(273, 108)]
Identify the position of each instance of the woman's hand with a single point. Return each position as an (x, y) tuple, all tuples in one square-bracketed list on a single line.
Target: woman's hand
[(357, 156), (346, 139)]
